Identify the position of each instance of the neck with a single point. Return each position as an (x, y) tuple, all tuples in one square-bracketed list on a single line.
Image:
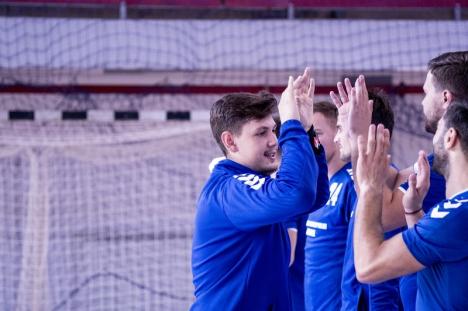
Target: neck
[(457, 180), (334, 165)]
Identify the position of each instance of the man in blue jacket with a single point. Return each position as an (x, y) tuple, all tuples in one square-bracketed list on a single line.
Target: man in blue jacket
[(241, 250)]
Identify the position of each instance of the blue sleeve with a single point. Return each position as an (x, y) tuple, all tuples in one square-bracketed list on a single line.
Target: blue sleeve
[(291, 224), (274, 200), (441, 235)]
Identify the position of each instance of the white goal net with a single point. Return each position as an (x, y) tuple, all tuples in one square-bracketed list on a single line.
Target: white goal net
[(99, 216)]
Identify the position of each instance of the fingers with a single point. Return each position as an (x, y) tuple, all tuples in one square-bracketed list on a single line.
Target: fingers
[(382, 142), (311, 90), (424, 171), (336, 100), (290, 82), (360, 85), (412, 182), (363, 84), (371, 140), (370, 106), (289, 89), (362, 150), (297, 82), (348, 85), (352, 95), (302, 82), (342, 92), (307, 73)]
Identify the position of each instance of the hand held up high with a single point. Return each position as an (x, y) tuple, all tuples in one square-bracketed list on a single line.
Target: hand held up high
[(287, 106), (305, 98)]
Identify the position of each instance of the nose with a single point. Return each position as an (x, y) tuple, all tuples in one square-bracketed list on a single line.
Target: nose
[(273, 140), (335, 139)]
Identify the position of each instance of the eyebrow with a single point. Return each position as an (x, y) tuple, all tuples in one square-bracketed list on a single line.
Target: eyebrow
[(263, 128)]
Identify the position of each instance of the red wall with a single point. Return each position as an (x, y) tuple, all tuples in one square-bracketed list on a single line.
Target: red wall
[(263, 3)]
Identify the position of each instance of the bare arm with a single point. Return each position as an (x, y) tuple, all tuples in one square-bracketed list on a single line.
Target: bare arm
[(292, 232), (376, 260)]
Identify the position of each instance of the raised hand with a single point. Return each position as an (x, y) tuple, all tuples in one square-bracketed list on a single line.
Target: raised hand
[(304, 95), (418, 185), (373, 159), (287, 107), (343, 99), (360, 110)]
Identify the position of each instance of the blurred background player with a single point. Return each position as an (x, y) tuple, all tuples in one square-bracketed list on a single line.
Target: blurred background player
[(355, 295), (328, 226), (297, 227)]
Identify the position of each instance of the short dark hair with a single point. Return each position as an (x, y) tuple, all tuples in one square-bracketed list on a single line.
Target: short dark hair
[(328, 109), (232, 111), (456, 117), (382, 110), (450, 71)]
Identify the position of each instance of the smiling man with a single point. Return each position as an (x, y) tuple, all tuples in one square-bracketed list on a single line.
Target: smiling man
[(241, 252)]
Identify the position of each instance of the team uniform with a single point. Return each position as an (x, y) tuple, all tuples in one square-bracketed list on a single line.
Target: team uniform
[(439, 241), (241, 251), (358, 296), (325, 245), (384, 296), (436, 193), (296, 271)]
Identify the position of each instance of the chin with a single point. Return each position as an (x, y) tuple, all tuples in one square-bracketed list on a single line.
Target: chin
[(270, 169), (345, 157), (431, 126), (430, 129)]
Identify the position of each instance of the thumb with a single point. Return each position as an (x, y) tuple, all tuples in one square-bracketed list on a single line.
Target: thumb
[(290, 82), (412, 182)]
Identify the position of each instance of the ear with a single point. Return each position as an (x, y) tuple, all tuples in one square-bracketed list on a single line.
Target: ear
[(229, 143), (448, 98), (450, 138)]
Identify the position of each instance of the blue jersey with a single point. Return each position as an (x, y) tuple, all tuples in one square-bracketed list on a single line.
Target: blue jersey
[(439, 241), (436, 193), (358, 296), (296, 271), (327, 229), (240, 251)]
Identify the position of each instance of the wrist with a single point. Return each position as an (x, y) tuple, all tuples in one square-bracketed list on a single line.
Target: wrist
[(370, 189), (287, 117), (413, 212)]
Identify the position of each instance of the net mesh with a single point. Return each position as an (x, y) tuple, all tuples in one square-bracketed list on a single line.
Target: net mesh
[(99, 216), (101, 221)]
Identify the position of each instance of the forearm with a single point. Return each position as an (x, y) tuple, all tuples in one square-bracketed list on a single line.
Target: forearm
[(392, 211), (354, 158), (292, 233), (393, 216), (368, 231)]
